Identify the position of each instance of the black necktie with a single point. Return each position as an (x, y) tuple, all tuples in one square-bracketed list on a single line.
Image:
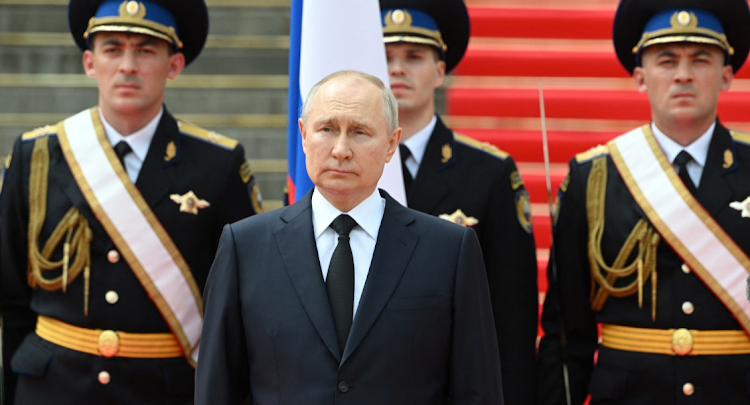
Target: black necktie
[(681, 161), (340, 279), (405, 153), (121, 149)]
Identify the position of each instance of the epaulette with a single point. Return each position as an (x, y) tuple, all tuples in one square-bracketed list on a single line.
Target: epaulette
[(206, 135), (483, 146), (740, 137), (41, 131), (596, 151)]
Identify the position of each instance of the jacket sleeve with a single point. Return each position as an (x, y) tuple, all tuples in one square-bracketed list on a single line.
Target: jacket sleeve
[(241, 197), (18, 319), (570, 332), (510, 256), (475, 367), (222, 375)]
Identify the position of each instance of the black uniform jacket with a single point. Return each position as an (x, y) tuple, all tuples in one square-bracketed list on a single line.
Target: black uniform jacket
[(203, 162), (626, 377), (483, 182)]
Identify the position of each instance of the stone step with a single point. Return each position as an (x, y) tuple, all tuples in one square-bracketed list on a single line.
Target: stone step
[(222, 20), (225, 18), (236, 56), (188, 101)]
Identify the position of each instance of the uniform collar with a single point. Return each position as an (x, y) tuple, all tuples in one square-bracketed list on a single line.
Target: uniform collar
[(698, 149), (139, 140), (417, 143)]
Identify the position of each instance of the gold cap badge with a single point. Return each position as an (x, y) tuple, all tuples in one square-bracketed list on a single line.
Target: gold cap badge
[(398, 16), (189, 202), (683, 18), (132, 7)]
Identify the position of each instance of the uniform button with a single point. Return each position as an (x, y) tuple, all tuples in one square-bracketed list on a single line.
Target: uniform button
[(688, 389), (343, 386), (112, 297), (113, 256), (687, 307), (104, 378), (685, 268)]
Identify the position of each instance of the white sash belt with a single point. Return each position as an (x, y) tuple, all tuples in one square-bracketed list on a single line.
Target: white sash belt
[(133, 227), (681, 220)]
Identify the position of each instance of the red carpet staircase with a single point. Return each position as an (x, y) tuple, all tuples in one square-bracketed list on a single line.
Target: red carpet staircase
[(493, 94)]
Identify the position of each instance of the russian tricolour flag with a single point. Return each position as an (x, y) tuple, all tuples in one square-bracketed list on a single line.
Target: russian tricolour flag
[(327, 36)]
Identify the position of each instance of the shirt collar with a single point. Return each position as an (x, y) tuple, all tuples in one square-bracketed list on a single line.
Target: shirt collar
[(698, 149), (139, 140), (417, 143), (368, 214)]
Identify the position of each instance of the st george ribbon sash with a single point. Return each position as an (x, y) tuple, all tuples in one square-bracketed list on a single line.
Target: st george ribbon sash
[(681, 220), (133, 227)]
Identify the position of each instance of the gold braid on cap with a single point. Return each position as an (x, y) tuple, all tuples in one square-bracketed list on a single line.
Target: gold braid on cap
[(643, 236), (132, 19), (73, 227), (398, 26), (684, 28)]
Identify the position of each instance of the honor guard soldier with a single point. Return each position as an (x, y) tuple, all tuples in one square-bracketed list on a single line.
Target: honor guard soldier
[(462, 180), (110, 219), (652, 232)]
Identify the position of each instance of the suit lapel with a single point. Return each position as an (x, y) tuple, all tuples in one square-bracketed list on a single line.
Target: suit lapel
[(297, 239), (393, 249), (713, 191), (430, 185), (155, 178)]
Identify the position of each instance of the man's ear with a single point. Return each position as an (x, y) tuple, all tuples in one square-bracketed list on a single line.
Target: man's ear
[(440, 73), (88, 63), (727, 76), (176, 65), (640, 79), (393, 141)]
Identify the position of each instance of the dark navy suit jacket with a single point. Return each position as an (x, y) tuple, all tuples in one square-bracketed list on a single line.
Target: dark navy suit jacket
[(423, 333)]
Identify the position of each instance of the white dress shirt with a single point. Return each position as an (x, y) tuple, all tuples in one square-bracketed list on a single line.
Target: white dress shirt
[(139, 142), (369, 215), (698, 150), (417, 144)]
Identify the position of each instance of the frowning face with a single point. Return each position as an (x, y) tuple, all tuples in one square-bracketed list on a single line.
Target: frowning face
[(346, 140)]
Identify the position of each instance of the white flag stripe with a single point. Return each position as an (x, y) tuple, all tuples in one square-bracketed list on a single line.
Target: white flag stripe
[(346, 35)]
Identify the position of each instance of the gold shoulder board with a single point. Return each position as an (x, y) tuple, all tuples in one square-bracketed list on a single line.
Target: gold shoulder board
[(484, 146), (596, 151), (741, 137), (206, 135), (33, 134)]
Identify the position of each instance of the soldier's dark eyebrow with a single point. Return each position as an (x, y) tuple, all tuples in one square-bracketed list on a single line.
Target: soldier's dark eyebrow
[(114, 41), (148, 41), (667, 52), (700, 52)]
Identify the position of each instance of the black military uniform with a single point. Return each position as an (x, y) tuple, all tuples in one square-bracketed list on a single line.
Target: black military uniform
[(475, 184), (181, 159), (659, 333)]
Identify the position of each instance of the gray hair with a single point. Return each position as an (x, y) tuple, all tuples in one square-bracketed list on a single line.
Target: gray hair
[(390, 105)]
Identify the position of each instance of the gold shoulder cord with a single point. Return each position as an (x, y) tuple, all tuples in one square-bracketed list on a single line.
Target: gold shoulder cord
[(73, 227), (642, 236)]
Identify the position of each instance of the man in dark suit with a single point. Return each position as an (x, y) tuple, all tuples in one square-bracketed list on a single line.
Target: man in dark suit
[(109, 221), (468, 182), (652, 233), (396, 312)]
